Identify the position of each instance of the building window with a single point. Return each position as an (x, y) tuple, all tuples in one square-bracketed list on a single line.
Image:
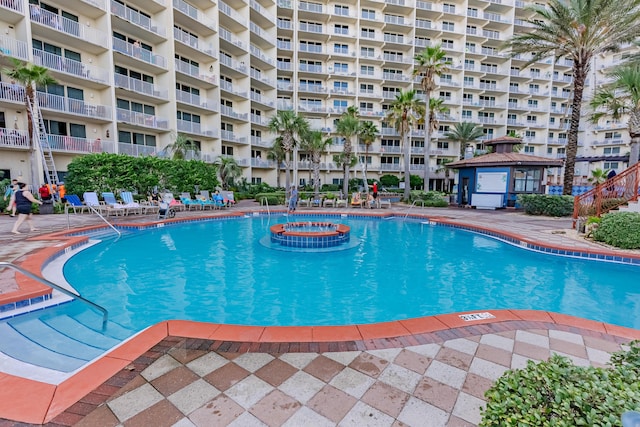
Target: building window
[(526, 180)]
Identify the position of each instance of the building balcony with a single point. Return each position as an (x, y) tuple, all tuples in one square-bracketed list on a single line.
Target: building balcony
[(141, 119), (193, 42), (195, 17), (261, 142), (14, 139), (68, 27), (256, 97), (228, 112), (196, 101), (139, 53), (259, 120), (229, 136), (14, 48), (233, 89), (230, 38), (259, 76), (231, 13), (258, 53), (194, 128), (70, 67), (136, 18), (139, 86), (12, 10), (261, 11), (136, 150), (72, 144), (193, 71), (78, 107), (238, 66)]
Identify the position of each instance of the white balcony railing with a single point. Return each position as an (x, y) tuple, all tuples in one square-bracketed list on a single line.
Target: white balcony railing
[(139, 86), (136, 18), (70, 66), (67, 26), (136, 118), (15, 48), (73, 144), (194, 13), (49, 101), (138, 52), (13, 138)]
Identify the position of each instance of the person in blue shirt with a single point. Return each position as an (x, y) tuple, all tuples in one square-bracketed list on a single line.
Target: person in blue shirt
[(293, 200), (7, 195)]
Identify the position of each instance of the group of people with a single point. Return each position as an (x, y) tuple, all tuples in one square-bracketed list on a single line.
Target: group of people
[(20, 201)]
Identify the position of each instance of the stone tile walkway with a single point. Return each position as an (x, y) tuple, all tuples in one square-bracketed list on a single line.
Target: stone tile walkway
[(440, 380)]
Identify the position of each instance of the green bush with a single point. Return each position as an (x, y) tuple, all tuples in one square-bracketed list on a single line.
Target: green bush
[(619, 229), (274, 199), (389, 181), (433, 199), (558, 393), (544, 204)]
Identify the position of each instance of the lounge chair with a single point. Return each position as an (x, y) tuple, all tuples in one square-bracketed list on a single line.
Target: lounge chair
[(304, 202), (91, 200), (74, 202), (204, 200), (189, 203), (384, 203), (175, 204), (341, 203), (329, 202), (110, 200), (229, 198), (129, 203)]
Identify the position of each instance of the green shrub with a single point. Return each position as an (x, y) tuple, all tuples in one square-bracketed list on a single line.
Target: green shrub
[(544, 204), (558, 393), (432, 199), (619, 229), (389, 181), (330, 187), (274, 199)]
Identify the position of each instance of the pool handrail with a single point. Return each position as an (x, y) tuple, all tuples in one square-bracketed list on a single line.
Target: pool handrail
[(265, 201), (105, 314), (412, 205)]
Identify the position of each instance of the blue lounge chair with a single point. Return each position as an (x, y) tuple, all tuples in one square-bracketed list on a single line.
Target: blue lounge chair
[(74, 202), (129, 203), (189, 203), (116, 208)]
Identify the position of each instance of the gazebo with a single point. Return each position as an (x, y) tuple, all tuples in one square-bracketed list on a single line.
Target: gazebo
[(494, 180)]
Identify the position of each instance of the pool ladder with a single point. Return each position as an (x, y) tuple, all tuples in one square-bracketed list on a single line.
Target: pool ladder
[(52, 285)]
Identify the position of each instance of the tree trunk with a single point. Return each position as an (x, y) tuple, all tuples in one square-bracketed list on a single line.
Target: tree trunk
[(364, 170), (427, 141), (634, 133), (346, 165), (580, 70), (407, 164), (635, 150), (287, 177)]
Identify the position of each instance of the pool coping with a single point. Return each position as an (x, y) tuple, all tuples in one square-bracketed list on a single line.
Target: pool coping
[(31, 401)]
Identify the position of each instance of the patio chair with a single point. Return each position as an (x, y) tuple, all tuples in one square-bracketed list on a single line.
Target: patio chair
[(229, 198), (341, 203), (110, 200), (189, 203), (91, 201), (74, 202), (129, 203), (357, 201), (384, 203), (326, 202), (175, 204), (304, 202)]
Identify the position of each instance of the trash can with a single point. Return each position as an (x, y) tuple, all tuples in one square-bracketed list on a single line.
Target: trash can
[(47, 207)]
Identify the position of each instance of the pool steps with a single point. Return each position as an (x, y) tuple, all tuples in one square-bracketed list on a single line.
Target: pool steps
[(60, 342)]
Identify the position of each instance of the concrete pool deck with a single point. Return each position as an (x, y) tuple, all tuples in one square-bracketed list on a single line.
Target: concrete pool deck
[(391, 374)]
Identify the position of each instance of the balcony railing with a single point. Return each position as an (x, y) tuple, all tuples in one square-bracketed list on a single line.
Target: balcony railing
[(228, 111), (69, 66), (232, 63), (138, 52), (17, 5), (193, 127), (261, 10), (136, 150), (136, 118), (229, 87), (15, 48), (72, 144), (192, 41), (139, 86), (257, 52), (13, 138), (231, 13), (197, 100), (194, 13), (49, 101), (228, 135), (136, 18), (67, 26)]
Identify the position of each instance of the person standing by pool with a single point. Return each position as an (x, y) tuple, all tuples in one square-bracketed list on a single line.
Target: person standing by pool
[(375, 190), (293, 199), (23, 200), (11, 189)]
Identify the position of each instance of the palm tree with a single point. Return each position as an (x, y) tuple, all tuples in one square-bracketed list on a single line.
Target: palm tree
[(316, 146), (368, 134), (347, 126), (277, 154), (598, 176), (228, 170), (30, 76), (182, 146), (430, 62), (290, 126), (622, 96), (405, 112), (464, 133), (576, 30)]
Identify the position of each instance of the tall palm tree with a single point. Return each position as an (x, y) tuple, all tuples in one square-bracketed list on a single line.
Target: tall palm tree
[(598, 176), (431, 62), (368, 134), (347, 126), (277, 154), (405, 112), (576, 30), (30, 76), (464, 133), (290, 127), (181, 146), (622, 96), (228, 170), (316, 146)]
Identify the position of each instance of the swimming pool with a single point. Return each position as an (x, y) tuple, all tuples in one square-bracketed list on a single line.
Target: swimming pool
[(218, 271)]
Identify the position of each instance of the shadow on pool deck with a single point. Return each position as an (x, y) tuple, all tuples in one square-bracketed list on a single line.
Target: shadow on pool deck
[(391, 374)]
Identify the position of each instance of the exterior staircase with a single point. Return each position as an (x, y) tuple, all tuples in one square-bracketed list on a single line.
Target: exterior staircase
[(619, 192), (41, 138)]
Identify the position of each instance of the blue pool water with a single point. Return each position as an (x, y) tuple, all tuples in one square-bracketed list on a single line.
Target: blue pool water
[(217, 271)]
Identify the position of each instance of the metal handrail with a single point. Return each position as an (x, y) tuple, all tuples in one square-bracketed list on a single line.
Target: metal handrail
[(52, 285), (266, 202), (411, 207), (105, 220)]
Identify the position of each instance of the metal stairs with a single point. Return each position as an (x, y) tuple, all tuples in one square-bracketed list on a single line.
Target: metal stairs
[(41, 137)]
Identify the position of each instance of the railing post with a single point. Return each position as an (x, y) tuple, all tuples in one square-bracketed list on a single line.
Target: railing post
[(598, 200)]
